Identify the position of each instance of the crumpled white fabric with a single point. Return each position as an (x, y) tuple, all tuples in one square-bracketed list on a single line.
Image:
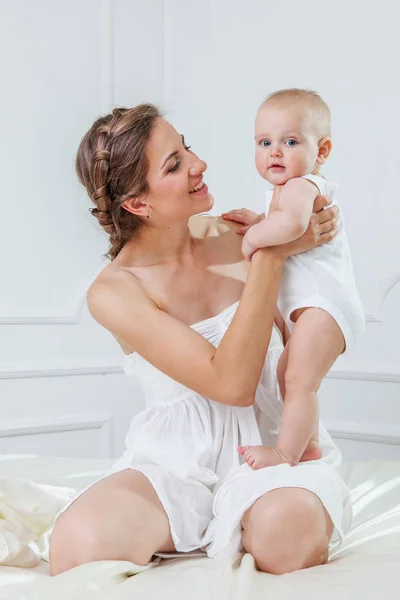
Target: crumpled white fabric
[(27, 514)]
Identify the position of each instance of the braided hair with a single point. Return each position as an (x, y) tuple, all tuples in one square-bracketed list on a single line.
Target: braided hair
[(111, 163)]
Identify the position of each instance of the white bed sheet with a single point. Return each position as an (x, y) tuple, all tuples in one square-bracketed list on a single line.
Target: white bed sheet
[(366, 566)]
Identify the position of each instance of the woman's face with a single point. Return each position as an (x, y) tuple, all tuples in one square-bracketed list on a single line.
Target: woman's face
[(175, 177)]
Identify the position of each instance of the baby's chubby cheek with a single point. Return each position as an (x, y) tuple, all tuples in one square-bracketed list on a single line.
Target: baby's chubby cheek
[(261, 165)]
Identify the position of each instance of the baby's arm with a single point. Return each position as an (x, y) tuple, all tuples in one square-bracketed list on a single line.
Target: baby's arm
[(286, 223), (246, 217)]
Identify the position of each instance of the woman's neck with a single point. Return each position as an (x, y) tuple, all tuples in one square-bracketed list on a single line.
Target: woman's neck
[(172, 244)]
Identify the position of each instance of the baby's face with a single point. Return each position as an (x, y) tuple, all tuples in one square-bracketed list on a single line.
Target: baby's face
[(286, 145)]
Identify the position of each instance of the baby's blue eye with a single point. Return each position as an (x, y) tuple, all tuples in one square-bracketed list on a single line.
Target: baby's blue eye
[(265, 143), (291, 142)]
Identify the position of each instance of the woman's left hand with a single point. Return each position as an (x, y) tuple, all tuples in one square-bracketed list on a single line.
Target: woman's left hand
[(323, 222)]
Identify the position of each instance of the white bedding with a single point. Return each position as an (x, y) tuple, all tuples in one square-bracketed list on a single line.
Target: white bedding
[(367, 566)]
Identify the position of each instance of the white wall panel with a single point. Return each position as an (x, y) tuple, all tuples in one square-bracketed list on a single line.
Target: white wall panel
[(53, 82), (189, 87), (208, 64), (138, 36), (67, 406), (241, 52), (74, 435), (63, 65)]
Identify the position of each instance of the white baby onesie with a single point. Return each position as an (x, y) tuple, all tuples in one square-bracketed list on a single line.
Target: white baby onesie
[(323, 277)]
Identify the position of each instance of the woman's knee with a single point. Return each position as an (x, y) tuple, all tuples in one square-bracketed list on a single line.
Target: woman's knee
[(80, 539), (287, 530), (73, 542), (120, 518)]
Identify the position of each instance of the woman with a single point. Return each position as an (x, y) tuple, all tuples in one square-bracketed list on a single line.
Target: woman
[(196, 323)]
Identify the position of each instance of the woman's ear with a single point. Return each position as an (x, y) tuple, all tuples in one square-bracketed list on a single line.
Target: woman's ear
[(137, 207), (324, 150)]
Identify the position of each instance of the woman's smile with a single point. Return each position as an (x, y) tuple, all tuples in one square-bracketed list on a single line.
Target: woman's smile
[(199, 190)]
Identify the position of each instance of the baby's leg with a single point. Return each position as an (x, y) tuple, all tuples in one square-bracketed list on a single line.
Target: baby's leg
[(315, 344), (281, 369), (313, 450)]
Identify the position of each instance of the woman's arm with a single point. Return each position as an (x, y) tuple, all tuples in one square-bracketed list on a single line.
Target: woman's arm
[(230, 373)]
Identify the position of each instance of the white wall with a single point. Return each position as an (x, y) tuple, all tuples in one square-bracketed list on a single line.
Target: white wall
[(223, 59), (208, 64), (63, 64)]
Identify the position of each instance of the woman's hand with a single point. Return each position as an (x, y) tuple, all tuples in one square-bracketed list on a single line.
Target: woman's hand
[(242, 215), (321, 229)]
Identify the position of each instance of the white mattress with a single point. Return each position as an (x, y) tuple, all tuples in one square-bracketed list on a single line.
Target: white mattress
[(367, 566)]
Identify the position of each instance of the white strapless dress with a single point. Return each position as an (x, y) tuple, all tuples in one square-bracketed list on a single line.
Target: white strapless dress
[(187, 444)]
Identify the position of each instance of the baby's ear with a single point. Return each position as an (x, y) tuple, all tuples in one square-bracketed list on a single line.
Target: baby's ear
[(324, 150)]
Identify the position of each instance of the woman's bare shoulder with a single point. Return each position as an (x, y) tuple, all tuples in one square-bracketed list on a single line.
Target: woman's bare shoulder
[(112, 286), (204, 226), (221, 244)]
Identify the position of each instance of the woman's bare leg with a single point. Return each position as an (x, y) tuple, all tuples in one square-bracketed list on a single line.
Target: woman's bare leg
[(287, 529), (119, 518)]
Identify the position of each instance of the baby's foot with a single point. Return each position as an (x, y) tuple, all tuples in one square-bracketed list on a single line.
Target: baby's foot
[(258, 457), (312, 452)]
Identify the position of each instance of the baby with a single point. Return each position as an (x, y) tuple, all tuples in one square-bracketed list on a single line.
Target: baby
[(318, 298)]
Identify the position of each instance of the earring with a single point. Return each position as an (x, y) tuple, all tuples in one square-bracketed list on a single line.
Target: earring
[(149, 214)]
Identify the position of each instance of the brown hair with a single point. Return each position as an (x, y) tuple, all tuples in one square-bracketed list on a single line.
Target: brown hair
[(112, 165), (321, 115)]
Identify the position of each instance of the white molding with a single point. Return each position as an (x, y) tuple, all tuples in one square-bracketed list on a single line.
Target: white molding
[(391, 282), (392, 376), (64, 369), (30, 369), (69, 317), (43, 425), (371, 318), (70, 314), (353, 431)]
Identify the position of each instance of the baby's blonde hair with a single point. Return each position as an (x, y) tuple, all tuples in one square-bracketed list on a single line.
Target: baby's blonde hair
[(311, 101)]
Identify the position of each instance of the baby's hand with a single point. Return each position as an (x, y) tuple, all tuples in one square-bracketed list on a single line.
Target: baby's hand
[(258, 457), (247, 249), (242, 215)]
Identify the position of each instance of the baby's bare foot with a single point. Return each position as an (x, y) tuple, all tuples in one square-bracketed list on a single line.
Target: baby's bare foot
[(258, 457), (312, 452)]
